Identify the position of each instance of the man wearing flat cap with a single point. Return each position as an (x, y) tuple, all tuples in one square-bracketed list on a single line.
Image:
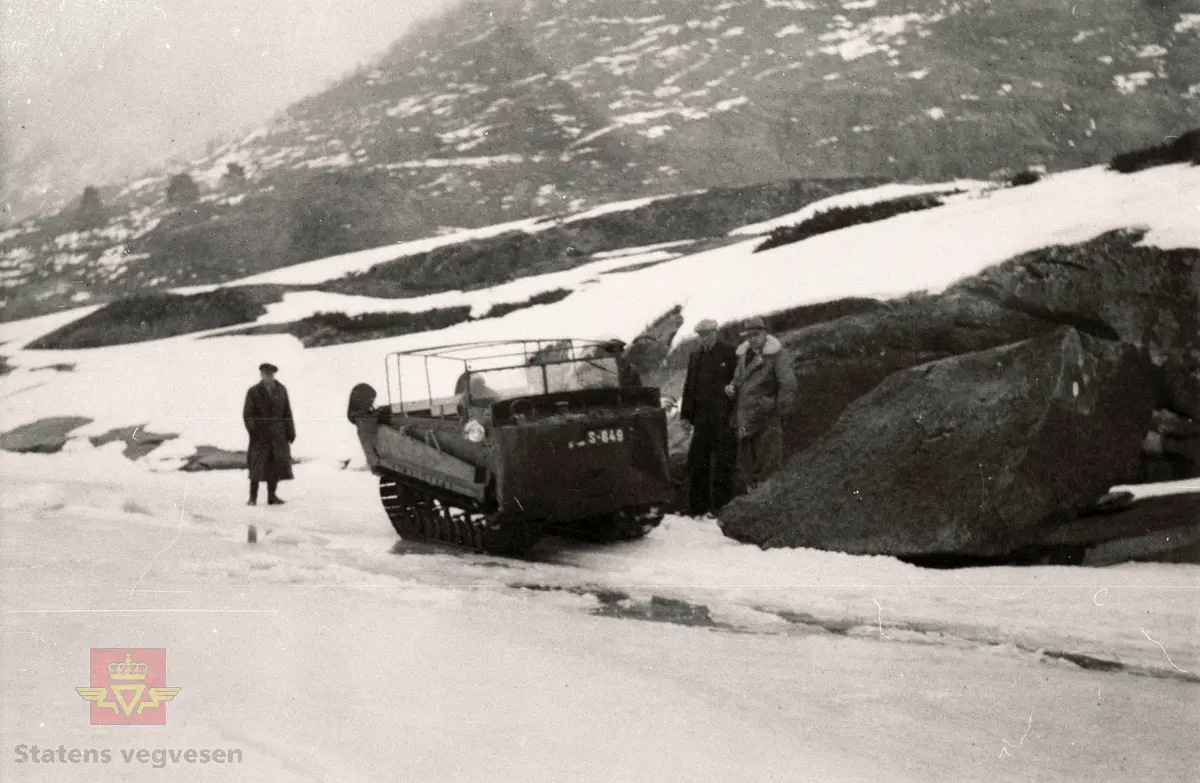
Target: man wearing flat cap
[(763, 390), (711, 460), (267, 413), (628, 375)]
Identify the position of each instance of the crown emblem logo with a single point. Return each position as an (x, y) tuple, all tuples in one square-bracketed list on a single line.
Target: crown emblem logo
[(128, 671), (128, 686)]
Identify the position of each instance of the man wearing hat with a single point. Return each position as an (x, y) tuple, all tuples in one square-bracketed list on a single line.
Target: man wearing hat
[(711, 459), (764, 388), (628, 375), (267, 413)]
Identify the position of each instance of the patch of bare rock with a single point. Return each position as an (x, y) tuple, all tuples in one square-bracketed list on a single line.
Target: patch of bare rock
[(44, 436)]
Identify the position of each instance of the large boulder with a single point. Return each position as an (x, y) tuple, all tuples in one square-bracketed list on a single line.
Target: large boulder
[(966, 455), (839, 361)]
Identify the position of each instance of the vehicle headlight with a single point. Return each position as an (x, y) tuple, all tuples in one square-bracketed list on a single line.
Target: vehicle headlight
[(474, 431)]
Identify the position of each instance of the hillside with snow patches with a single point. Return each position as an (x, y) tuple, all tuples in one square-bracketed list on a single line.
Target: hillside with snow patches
[(191, 385), (508, 109)]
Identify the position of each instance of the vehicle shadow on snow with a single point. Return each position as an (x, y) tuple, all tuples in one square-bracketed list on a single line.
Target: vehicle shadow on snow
[(550, 550)]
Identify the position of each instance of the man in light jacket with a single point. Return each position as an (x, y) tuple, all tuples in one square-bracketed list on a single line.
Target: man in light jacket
[(764, 389)]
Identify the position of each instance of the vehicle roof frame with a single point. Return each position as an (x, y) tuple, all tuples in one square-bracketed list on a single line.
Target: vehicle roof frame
[(448, 352)]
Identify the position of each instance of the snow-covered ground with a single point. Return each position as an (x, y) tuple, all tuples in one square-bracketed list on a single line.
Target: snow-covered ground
[(326, 651)]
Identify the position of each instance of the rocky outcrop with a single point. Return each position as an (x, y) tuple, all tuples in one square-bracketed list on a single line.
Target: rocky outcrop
[(44, 436), (1115, 288), (1109, 287), (1171, 449), (963, 455), (1145, 296), (649, 350), (1165, 528), (138, 442), (214, 458)]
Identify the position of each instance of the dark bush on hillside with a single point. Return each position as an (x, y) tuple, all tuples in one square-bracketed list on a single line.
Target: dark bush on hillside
[(545, 297), (337, 328), (235, 176), (1026, 177), (156, 316), (438, 318), (323, 329), (91, 212), (182, 190), (1181, 149), (844, 217)]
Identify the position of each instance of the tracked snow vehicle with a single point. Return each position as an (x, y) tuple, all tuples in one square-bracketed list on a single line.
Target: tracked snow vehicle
[(490, 446)]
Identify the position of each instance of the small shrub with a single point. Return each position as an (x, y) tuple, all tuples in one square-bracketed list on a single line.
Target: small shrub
[(235, 176), (1026, 177), (182, 190), (91, 212), (1181, 149), (844, 217)]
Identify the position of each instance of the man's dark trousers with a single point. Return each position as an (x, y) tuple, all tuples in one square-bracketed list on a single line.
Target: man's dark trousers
[(712, 466)]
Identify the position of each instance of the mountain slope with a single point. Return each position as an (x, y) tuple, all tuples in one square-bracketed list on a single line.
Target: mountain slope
[(509, 108)]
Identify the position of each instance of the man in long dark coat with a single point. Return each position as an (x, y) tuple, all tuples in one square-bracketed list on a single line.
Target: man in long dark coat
[(712, 456), (267, 414)]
